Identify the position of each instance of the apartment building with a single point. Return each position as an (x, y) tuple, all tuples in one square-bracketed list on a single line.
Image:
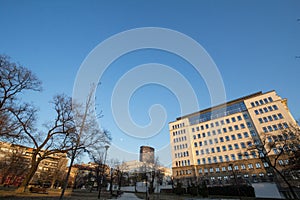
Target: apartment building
[(15, 161), (214, 144)]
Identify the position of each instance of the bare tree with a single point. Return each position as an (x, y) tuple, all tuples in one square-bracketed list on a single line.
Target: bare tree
[(87, 135), (14, 81), (56, 138), (280, 151)]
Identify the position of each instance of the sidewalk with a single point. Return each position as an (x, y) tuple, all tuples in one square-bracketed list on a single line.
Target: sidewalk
[(128, 196)]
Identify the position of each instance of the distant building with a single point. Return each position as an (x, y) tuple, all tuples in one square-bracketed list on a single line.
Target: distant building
[(15, 161), (147, 154)]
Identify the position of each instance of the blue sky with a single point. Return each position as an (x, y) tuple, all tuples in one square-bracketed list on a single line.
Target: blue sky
[(254, 44)]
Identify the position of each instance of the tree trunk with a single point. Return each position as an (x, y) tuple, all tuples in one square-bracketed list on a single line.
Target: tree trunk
[(28, 177), (286, 181), (65, 184)]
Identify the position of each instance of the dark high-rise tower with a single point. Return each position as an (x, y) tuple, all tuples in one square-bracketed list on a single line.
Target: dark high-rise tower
[(147, 154)]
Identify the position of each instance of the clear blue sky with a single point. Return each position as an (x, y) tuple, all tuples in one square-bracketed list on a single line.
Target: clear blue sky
[(255, 45)]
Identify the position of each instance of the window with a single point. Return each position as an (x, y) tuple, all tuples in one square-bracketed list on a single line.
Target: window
[(230, 147), (217, 169), (250, 166), (212, 150), (230, 128), (209, 160), (246, 134), (211, 170), (193, 129), (210, 141), (253, 154), (265, 129), (233, 137), (239, 118), (215, 159), (219, 131), (236, 127), (217, 123), (249, 125), (270, 118), (266, 109), (203, 161), (256, 112), (270, 99), (216, 140), (270, 129), (227, 138), (240, 156), (224, 169), (200, 170), (266, 164), (246, 116), (221, 139), (200, 144), (229, 168), (218, 149), (243, 145), (260, 120), (243, 166), (252, 104), (202, 127), (224, 130), (224, 148), (222, 122), (197, 153), (233, 119), (260, 111), (265, 119), (214, 132), (207, 151), (220, 158), (253, 133), (270, 108), (242, 126), (227, 121), (226, 158), (205, 170), (261, 101), (232, 156), (203, 135), (199, 135), (275, 117), (275, 127), (239, 136), (208, 133), (236, 146), (257, 165), (211, 125), (236, 167), (256, 103), (194, 136), (205, 142), (206, 126), (275, 107), (195, 144), (280, 116)]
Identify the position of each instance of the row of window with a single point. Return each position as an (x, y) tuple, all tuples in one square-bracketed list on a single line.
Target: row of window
[(224, 148), (270, 118), (180, 146), (275, 127), (261, 102), (179, 139), (227, 158), (223, 139), (219, 123), (178, 126), (179, 132), (182, 154), (224, 130), (230, 168), (183, 163), (265, 109)]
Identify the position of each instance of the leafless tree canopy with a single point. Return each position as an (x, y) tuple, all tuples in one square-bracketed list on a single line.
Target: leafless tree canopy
[(14, 81)]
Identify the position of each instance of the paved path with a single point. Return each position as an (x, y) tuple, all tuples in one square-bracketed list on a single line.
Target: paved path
[(128, 196)]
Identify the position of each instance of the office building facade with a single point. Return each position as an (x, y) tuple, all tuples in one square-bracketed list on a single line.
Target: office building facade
[(215, 144)]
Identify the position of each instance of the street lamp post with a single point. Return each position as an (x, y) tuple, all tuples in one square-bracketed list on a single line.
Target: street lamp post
[(103, 167)]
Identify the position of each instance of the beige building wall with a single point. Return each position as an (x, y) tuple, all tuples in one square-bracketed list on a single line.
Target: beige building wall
[(215, 142)]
